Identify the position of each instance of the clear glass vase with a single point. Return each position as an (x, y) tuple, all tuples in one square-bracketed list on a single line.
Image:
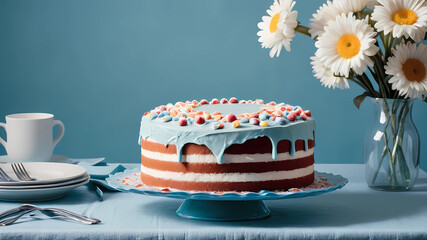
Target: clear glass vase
[(392, 146)]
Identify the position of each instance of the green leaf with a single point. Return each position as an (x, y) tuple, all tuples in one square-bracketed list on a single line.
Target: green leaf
[(359, 99)]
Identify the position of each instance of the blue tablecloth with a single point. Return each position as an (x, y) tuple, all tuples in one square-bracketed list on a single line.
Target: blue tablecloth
[(352, 212)]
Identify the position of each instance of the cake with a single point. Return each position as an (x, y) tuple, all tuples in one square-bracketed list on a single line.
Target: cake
[(227, 145)]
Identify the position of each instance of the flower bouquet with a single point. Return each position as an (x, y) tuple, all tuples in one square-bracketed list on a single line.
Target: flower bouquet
[(375, 44)]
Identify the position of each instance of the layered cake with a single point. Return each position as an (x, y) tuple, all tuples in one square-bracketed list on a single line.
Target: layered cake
[(227, 145)]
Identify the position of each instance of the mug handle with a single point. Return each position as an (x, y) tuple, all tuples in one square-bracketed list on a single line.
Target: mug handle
[(2, 141), (61, 131)]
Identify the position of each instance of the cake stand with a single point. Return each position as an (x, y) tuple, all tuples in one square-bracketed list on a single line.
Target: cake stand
[(227, 206)]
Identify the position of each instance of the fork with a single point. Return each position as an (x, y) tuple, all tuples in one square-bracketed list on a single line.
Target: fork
[(4, 177), (21, 172), (51, 212), (10, 221)]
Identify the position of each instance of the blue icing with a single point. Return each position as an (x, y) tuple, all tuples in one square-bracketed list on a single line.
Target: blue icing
[(218, 140), (272, 122)]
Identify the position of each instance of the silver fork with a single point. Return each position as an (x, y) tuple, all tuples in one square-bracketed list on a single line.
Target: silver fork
[(51, 212), (21, 172), (4, 177), (11, 220)]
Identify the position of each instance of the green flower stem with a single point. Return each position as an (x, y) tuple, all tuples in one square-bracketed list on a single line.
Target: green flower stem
[(394, 122), (389, 46), (394, 119), (368, 83), (397, 162), (380, 82), (380, 51), (406, 174), (394, 135), (395, 115), (363, 79), (396, 94), (386, 148), (374, 74), (399, 132), (379, 60), (403, 166), (385, 41), (363, 14), (382, 87), (379, 69), (303, 30), (361, 85), (384, 152)]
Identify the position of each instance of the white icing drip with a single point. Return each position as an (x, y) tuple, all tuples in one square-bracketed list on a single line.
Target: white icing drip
[(227, 158)]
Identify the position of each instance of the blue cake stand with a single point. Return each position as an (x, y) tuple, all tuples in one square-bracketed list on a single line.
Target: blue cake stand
[(229, 206)]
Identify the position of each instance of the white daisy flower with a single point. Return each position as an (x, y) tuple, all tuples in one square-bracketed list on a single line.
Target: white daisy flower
[(402, 17), (330, 10), (348, 6), (408, 68), (320, 19), (325, 75), (347, 44), (278, 29)]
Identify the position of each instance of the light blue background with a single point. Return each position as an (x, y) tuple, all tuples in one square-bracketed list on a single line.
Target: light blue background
[(99, 65)]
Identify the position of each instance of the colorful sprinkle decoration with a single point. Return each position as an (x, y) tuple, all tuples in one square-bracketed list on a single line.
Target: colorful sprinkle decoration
[(217, 126), (182, 122), (254, 121), (167, 118), (185, 113), (263, 124)]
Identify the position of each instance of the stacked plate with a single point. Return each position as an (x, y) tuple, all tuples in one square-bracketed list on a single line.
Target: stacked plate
[(53, 180)]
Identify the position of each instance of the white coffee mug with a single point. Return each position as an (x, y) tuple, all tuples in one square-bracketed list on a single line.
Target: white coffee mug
[(30, 136)]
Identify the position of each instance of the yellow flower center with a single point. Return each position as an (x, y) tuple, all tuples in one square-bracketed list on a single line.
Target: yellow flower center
[(274, 22), (414, 70), (405, 17), (348, 46)]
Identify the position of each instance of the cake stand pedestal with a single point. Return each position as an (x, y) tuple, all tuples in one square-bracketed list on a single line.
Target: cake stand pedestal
[(228, 206), (212, 210)]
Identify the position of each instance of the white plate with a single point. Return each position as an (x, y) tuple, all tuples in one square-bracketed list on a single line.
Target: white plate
[(36, 195), (34, 186), (45, 173)]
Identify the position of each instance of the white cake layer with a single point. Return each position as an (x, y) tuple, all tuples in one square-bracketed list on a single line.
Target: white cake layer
[(229, 177)]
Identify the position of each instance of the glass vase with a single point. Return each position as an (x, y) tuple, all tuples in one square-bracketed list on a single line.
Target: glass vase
[(392, 146)]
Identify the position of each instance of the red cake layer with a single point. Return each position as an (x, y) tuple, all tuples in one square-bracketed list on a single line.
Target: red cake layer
[(251, 149), (250, 167), (252, 146)]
